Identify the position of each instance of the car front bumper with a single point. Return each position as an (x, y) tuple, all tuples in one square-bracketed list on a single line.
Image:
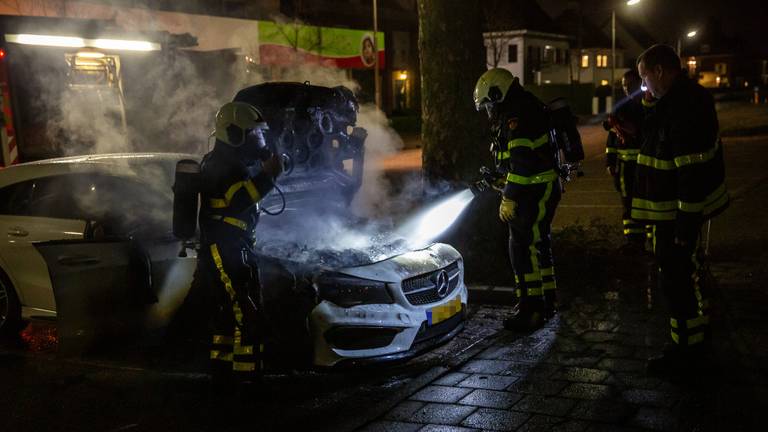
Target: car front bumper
[(377, 333)]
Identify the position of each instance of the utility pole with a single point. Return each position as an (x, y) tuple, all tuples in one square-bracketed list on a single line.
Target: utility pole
[(613, 54), (376, 84)]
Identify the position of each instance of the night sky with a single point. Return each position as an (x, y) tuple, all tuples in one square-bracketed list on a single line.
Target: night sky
[(745, 19)]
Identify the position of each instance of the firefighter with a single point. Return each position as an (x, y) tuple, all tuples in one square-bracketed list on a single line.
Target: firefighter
[(621, 150), (235, 175), (680, 184), (524, 157)]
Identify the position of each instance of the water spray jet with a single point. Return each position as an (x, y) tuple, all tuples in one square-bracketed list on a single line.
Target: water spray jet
[(427, 225)]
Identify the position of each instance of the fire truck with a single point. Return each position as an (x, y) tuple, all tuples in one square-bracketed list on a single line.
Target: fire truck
[(67, 82)]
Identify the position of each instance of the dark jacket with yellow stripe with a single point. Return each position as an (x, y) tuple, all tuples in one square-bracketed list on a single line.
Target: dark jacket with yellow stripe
[(522, 149), (680, 169), (230, 190), (627, 121)]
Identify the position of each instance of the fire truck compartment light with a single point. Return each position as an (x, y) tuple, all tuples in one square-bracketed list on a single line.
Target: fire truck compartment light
[(76, 42), (90, 54)]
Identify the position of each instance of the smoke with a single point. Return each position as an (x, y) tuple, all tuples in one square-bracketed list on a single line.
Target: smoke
[(157, 103), (166, 101)]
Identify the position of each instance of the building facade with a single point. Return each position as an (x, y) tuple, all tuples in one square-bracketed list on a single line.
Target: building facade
[(534, 57)]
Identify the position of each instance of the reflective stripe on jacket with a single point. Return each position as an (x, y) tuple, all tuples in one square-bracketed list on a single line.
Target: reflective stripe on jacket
[(680, 168)]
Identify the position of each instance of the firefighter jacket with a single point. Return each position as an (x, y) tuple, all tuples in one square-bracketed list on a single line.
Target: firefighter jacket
[(231, 186), (521, 148), (625, 139), (680, 169)]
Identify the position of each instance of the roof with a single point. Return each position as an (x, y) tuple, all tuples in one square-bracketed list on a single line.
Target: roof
[(109, 157), (135, 164)]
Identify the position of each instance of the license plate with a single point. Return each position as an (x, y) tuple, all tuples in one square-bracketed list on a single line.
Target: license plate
[(444, 311)]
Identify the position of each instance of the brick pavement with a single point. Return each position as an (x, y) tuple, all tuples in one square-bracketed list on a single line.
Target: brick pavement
[(585, 371)]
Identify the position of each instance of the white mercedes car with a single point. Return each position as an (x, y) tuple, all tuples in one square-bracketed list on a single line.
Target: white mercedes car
[(89, 243)]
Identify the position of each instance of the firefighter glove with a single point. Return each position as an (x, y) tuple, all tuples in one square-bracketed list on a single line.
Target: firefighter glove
[(507, 209), (273, 166)]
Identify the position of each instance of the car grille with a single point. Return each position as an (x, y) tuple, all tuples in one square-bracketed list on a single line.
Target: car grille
[(358, 338), (423, 289)]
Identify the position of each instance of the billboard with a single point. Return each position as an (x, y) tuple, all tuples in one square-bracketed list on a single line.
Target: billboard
[(289, 43)]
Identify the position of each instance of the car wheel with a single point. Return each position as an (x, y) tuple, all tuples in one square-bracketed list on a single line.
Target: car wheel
[(10, 308)]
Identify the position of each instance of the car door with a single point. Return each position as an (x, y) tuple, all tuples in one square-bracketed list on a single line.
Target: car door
[(126, 275), (24, 221), (100, 289)]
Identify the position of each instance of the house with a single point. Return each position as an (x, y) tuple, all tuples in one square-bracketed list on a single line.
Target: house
[(591, 60), (535, 57), (522, 38), (719, 61)]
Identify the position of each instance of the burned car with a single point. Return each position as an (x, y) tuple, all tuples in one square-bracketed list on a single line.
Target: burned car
[(336, 288), (349, 286)]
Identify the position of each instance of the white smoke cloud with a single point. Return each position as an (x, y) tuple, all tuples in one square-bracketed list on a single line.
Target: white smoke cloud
[(170, 102)]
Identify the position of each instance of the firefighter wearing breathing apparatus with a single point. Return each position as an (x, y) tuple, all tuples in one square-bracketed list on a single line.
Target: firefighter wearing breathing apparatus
[(233, 178), (622, 148), (526, 169)]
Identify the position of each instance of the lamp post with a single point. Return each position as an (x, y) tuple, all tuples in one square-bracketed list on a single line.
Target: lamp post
[(376, 84), (691, 34), (613, 45)]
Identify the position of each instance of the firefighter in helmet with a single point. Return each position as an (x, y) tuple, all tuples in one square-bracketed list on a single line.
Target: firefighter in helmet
[(235, 176), (525, 163)]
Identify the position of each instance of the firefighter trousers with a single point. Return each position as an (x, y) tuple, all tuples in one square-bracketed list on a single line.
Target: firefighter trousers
[(680, 279), (624, 181), (530, 243), (237, 340)]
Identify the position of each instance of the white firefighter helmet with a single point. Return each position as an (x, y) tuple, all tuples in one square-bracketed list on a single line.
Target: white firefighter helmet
[(234, 120)]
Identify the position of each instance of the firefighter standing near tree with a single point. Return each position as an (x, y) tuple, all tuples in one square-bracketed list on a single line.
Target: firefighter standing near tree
[(234, 177), (525, 163), (622, 149), (680, 184)]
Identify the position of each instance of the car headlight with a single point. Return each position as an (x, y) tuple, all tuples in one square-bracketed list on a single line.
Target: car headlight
[(347, 291)]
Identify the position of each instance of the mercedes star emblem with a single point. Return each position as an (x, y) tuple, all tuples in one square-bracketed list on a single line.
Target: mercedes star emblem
[(442, 283)]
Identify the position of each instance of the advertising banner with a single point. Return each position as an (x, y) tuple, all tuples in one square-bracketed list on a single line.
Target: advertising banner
[(289, 43)]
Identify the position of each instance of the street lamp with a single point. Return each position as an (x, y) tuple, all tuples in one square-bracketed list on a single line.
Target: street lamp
[(613, 45), (691, 34)]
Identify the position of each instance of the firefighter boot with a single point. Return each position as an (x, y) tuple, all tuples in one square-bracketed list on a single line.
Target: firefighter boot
[(550, 304), (527, 316)]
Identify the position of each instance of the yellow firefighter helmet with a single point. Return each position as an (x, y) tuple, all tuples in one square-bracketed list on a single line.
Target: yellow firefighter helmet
[(492, 87), (234, 119)]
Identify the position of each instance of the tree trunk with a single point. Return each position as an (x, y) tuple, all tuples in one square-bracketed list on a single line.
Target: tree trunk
[(454, 135)]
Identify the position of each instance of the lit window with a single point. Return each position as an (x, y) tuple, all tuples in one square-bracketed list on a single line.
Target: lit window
[(585, 61), (602, 61), (603, 82)]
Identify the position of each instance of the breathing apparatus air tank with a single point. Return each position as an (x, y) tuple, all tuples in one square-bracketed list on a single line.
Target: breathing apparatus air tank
[(565, 139), (186, 199), (564, 125)]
